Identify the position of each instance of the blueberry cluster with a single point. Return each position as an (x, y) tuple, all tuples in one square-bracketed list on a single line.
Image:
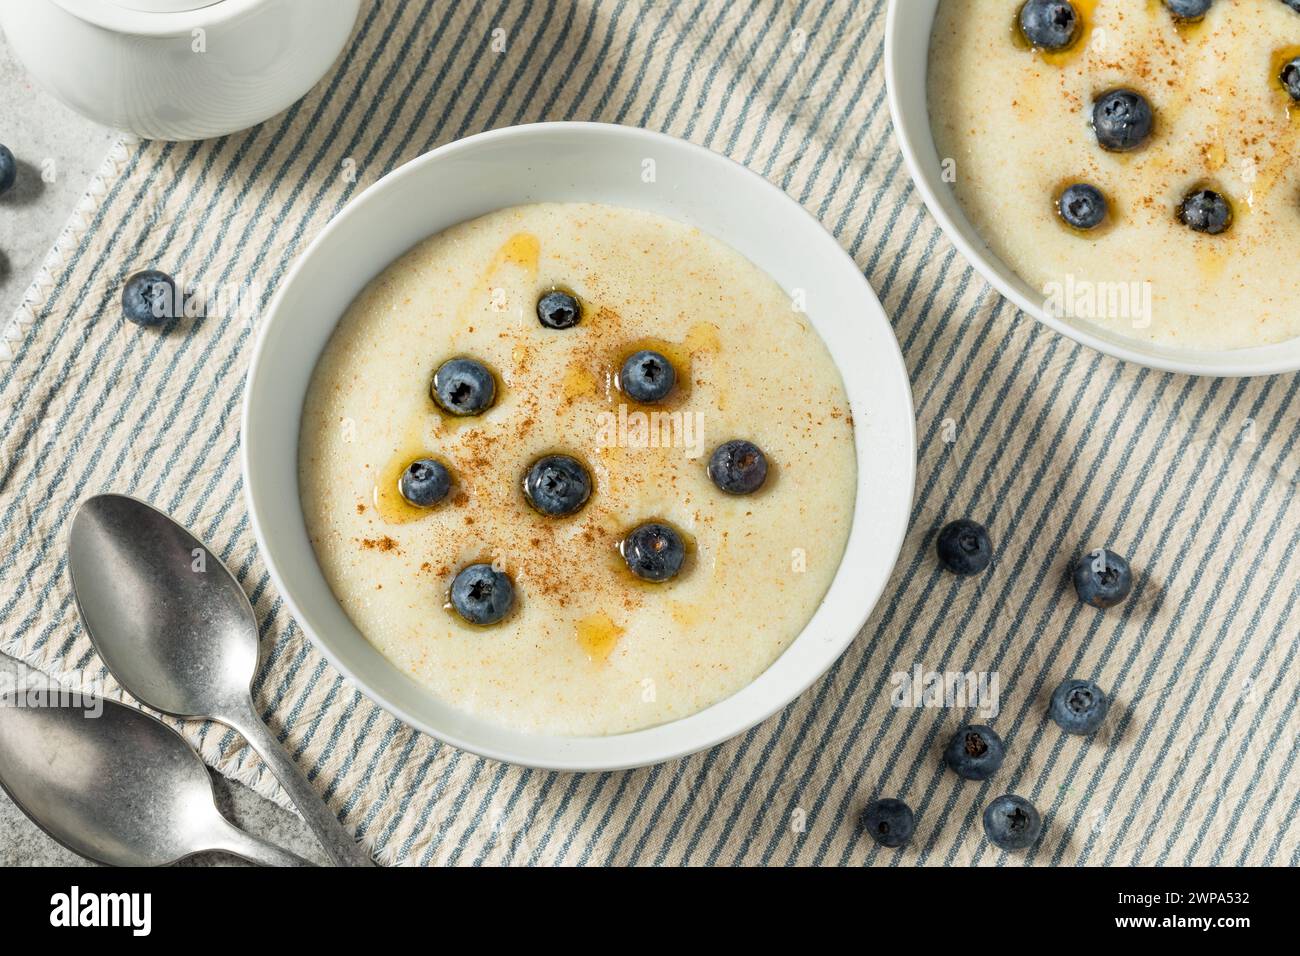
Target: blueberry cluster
[(559, 485), (1078, 706), (1101, 577), (976, 752), (1123, 120)]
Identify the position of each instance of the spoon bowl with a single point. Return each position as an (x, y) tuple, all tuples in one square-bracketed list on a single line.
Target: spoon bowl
[(116, 785), (169, 620)]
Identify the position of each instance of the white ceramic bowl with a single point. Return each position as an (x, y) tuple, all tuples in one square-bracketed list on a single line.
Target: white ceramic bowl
[(178, 69), (593, 163), (908, 26)]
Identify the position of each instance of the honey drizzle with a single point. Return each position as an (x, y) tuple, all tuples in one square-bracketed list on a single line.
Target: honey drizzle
[(1186, 28), (597, 635), (1287, 144), (522, 250)]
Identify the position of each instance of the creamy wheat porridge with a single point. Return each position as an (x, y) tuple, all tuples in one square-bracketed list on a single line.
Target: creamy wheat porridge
[(1199, 214), (586, 646)]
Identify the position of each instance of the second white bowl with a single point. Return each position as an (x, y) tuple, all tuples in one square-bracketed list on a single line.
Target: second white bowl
[(908, 26)]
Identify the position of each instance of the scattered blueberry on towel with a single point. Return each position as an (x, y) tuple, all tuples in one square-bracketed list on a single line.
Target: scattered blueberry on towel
[(1102, 578), (890, 822), (975, 752), (964, 547), (149, 298), (1012, 823), (1078, 706)]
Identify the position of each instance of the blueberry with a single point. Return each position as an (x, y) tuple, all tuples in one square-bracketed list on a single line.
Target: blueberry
[(8, 169), (1293, 4), (482, 595), (149, 298), (425, 482), (1189, 9), (557, 485), (1082, 206), (964, 547), (1102, 578), (558, 310), (738, 467), (647, 377), (1290, 79), (1078, 706), (975, 752), (1011, 823), (653, 551), (464, 386), (1122, 120), (890, 822), (1206, 211), (1049, 24)]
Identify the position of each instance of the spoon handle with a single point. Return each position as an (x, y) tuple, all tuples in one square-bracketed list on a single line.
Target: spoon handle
[(338, 843), (231, 839)]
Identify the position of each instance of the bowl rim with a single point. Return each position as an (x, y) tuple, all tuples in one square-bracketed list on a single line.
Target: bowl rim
[(1253, 361), (645, 756)]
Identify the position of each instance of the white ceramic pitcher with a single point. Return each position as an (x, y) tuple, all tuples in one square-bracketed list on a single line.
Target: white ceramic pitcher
[(178, 69)]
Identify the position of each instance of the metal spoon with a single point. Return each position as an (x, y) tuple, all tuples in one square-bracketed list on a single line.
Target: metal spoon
[(176, 630), (120, 788)]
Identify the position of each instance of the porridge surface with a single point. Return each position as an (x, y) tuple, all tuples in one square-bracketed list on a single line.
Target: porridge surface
[(1017, 123), (588, 649)]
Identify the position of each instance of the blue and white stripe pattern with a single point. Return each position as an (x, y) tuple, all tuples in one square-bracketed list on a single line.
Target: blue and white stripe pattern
[(1055, 448)]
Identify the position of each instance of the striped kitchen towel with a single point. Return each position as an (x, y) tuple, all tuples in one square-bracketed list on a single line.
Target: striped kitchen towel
[(1056, 448)]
